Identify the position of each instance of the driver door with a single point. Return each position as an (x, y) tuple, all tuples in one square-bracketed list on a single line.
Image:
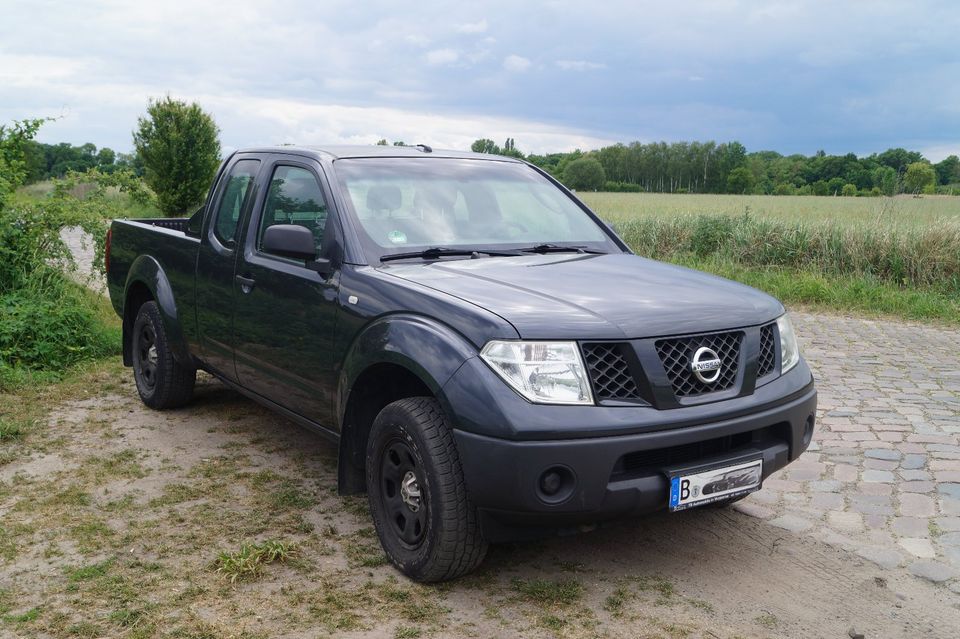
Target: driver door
[(286, 313)]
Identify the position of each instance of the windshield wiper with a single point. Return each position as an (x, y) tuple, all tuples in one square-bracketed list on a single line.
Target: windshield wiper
[(435, 252), (558, 248)]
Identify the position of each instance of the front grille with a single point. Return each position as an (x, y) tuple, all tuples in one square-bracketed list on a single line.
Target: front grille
[(676, 355), (768, 351), (609, 371)]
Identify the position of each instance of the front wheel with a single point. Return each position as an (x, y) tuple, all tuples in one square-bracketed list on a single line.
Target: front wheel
[(161, 380), (424, 517)]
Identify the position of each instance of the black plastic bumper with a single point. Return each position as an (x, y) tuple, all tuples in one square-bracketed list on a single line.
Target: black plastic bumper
[(505, 476)]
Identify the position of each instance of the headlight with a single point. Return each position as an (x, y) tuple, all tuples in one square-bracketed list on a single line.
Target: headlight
[(789, 352), (542, 372)]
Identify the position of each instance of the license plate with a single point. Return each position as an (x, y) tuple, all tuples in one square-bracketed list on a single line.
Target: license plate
[(694, 487)]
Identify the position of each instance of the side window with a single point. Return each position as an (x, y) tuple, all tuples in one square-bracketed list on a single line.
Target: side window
[(235, 194), (294, 198)]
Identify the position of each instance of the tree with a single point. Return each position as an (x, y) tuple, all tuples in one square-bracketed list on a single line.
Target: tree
[(898, 159), (585, 174), (739, 180), (849, 190), (13, 165), (919, 175), (485, 145), (382, 142), (180, 147), (948, 170), (106, 157)]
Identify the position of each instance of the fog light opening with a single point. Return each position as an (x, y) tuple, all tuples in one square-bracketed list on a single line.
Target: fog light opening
[(808, 432), (556, 484)]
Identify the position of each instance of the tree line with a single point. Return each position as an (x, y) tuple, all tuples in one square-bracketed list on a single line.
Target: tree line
[(727, 167)]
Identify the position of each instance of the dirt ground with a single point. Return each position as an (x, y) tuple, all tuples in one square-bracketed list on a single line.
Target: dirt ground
[(113, 516)]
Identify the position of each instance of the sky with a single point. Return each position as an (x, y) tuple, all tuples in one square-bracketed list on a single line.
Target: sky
[(794, 77)]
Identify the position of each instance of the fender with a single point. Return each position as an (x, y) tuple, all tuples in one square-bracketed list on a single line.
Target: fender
[(427, 348), (147, 271)]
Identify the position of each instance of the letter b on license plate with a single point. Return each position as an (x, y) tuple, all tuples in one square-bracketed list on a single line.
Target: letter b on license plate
[(695, 486)]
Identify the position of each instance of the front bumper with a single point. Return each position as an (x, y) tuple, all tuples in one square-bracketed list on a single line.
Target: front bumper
[(617, 475)]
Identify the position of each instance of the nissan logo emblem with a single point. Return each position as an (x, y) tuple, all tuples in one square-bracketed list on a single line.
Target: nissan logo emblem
[(706, 365)]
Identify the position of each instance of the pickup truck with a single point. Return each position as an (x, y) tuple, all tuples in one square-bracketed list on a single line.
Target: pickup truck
[(490, 358)]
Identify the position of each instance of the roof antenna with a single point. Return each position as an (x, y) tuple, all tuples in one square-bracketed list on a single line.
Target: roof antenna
[(425, 148)]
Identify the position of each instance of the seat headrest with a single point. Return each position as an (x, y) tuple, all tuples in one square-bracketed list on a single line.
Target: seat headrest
[(384, 198)]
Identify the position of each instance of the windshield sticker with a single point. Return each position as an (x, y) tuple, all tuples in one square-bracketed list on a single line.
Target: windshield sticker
[(397, 237)]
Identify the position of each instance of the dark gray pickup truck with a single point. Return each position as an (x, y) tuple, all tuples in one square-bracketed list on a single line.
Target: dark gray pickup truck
[(489, 356)]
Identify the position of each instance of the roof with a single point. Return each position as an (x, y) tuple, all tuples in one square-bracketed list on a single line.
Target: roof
[(366, 151)]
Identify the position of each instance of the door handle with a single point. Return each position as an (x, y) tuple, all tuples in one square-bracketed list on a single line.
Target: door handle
[(246, 283)]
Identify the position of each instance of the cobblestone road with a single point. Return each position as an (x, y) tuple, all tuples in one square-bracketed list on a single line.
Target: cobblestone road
[(882, 477)]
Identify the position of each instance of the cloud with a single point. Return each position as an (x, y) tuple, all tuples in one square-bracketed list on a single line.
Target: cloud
[(439, 57), (579, 65), (773, 75), (472, 27), (516, 63), (939, 152), (278, 121), (417, 39)]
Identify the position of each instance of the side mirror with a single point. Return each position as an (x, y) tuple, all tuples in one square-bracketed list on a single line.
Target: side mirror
[(289, 240)]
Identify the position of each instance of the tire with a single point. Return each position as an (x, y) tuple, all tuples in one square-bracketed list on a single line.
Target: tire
[(440, 539), (161, 381)]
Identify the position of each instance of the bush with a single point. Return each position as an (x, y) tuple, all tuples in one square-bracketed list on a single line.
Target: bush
[(784, 188), (180, 149), (584, 174), (621, 187), (47, 320), (849, 190), (51, 325)]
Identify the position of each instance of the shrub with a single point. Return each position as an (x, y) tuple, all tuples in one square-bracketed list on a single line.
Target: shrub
[(47, 320), (849, 190), (585, 174), (621, 187), (784, 188), (181, 151)]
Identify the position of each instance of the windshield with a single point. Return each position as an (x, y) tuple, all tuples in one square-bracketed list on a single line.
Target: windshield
[(409, 204)]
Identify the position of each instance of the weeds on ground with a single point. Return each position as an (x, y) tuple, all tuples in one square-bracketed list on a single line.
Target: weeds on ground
[(248, 562)]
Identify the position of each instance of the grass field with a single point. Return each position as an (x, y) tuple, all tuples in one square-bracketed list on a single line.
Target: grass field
[(902, 211), (882, 256)]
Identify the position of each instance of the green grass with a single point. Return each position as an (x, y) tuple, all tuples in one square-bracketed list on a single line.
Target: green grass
[(901, 211), (897, 257), (545, 592), (248, 562), (13, 429)]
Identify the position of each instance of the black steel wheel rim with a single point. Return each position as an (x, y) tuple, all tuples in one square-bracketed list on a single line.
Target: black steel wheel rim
[(404, 502), (146, 352)]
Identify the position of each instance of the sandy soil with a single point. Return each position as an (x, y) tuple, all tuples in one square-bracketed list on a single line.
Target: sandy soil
[(112, 518)]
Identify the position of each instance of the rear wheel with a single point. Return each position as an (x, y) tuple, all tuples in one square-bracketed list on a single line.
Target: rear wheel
[(424, 518), (161, 381)]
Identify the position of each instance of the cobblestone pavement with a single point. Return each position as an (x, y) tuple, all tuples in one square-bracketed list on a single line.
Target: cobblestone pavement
[(882, 476)]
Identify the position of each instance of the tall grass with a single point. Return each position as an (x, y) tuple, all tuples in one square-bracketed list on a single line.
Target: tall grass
[(899, 212), (917, 257)]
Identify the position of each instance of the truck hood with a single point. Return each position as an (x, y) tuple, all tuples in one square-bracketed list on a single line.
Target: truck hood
[(566, 296)]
